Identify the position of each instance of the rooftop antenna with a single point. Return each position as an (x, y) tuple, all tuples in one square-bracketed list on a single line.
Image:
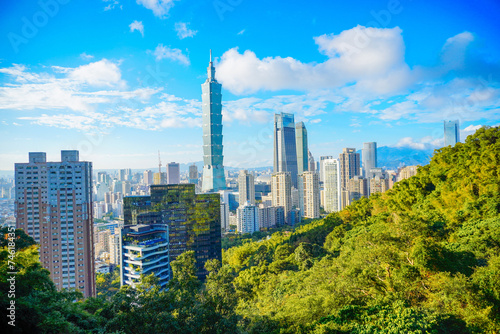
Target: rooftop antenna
[(159, 162), (210, 55)]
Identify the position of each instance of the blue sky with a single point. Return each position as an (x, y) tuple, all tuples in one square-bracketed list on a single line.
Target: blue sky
[(120, 80)]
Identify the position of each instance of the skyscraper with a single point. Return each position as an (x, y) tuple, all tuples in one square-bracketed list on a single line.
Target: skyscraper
[(173, 173), (451, 133), (309, 194), (148, 177), (358, 187), (281, 189), (322, 167), (285, 151), (193, 174), (369, 157), (54, 206), (331, 192), (312, 164), (213, 169), (246, 187), (349, 167), (193, 220), (247, 216), (302, 150)]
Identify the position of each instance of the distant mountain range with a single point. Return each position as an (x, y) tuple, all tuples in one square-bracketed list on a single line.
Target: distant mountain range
[(394, 157)]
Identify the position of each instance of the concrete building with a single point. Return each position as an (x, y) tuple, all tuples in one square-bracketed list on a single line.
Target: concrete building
[(173, 173), (407, 172), (271, 216), (358, 187), (246, 187), (281, 190), (54, 206), (193, 174), (224, 216), (349, 167), (331, 192), (285, 151), (309, 201), (322, 167), (369, 157), (302, 148), (247, 216), (147, 177), (312, 164), (214, 178), (378, 185), (160, 178)]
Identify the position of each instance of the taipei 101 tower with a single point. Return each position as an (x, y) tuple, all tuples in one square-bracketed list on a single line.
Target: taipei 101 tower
[(213, 169)]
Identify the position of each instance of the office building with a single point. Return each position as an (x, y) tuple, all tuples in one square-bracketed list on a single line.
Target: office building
[(193, 220), (214, 178), (147, 177), (224, 216), (312, 164), (302, 149), (193, 174), (54, 206), (309, 194), (285, 151), (369, 157), (349, 167), (246, 187), (451, 132), (247, 216), (331, 192), (145, 250), (173, 173), (281, 190), (322, 167), (160, 178), (358, 187)]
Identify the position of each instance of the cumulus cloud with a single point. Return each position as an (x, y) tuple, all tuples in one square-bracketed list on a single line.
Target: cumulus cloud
[(85, 56), (425, 143), (162, 52), (358, 55), (160, 8), (454, 50), (137, 25), (183, 31)]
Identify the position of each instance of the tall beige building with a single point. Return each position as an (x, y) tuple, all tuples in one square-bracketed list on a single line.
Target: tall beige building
[(349, 167), (407, 172), (281, 189), (378, 185), (358, 187), (331, 185), (54, 206), (246, 187), (309, 194)]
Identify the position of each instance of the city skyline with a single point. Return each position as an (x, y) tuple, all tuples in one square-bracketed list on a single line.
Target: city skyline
[(120, 96)]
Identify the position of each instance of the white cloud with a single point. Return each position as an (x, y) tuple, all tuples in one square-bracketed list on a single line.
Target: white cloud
[(160, 8), (358, 55), (426, 143), (241, 32), (183, 31), (85, 56), (100, 73), (453, 52), (162, 52), (112, 4), (137, 25)]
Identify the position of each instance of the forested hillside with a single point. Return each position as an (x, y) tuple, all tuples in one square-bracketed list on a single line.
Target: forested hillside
[(423, 257)]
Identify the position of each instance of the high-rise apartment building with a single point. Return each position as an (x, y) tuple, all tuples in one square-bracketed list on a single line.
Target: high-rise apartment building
[(160, 178), (281, 190), (302, 149), (193, 220), (271, 216), (193, 174), (451, 132), (358, 187), (407, 172), (54, 206), (322, 167), (224, 216), (309, 194), (246, 187), (285, 151), (349, 167), (173, 173), (369, 157), (378, 184), (214, 178), (332, 191), (247, 216)]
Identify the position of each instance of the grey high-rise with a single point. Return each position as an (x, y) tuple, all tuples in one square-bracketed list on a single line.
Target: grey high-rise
[(451, 133), (213, 169), (285, 151), (302, 150), (369, 157)]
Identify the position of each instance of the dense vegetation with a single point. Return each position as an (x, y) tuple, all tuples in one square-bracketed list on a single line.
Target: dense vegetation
[(423, 257)]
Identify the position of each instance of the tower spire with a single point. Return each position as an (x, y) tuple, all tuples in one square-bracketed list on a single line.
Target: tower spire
[(211, 69), (210, 55)]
